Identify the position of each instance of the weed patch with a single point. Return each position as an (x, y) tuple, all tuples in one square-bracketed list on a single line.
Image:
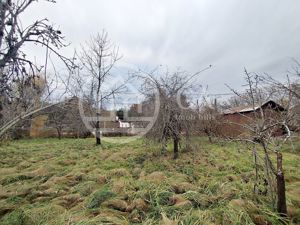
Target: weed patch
[(99, 197)]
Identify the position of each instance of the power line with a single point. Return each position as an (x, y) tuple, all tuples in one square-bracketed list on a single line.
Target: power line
[(203, 94)]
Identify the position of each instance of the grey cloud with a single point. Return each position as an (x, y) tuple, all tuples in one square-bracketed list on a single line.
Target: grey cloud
[(230, 35)]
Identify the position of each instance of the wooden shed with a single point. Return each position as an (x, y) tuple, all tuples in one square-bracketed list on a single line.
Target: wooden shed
[(236, 120)]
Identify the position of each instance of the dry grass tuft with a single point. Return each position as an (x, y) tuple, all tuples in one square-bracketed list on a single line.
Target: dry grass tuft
[(156, 177), (51, 182)]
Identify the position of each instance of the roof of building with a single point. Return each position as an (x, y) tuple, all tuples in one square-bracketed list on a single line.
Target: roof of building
[(246, 109)]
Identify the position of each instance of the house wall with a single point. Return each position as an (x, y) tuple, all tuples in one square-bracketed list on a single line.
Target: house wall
[(37, 128), (240, 124), (233, 125), (66, 116), (40, 129)]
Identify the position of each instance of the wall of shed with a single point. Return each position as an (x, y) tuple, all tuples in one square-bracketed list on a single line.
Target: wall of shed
[(240, 124)]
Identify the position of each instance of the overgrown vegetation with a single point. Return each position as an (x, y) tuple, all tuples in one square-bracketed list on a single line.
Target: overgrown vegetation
[(46, 181)]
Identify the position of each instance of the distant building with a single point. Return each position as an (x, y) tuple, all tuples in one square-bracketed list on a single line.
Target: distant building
[(236, 120), (60, 120), (65, 120), (124, 124)]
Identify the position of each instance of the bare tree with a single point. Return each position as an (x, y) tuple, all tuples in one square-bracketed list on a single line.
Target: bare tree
[(99, 57), (291, 83), (268, 128), (208, 119), (57, 117), (17, 72), (65, 118), (174, 115)]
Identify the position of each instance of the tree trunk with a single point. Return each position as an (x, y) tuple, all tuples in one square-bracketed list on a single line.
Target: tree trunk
[(98, 138), (78, 133), (187, 140), (176, 147), (164, 146), (97, 132), (281, 199), (59, 131), (1, 108), (210, 138), (256, 170), (208, 135)]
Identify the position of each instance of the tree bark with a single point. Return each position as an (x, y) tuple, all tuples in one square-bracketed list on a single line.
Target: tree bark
[(1, 108), (59, 132), (97, 132), (98, 138), (281, 198), (164, 147), (176, 147), (210, 138), (255, 188)]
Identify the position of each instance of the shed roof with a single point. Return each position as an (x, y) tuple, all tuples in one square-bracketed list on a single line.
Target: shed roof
[(245, 109)]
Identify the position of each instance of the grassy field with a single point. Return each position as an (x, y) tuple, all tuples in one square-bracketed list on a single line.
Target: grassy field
[(70, 181)]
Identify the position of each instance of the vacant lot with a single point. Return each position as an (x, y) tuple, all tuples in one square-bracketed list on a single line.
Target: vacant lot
[(71, 181)]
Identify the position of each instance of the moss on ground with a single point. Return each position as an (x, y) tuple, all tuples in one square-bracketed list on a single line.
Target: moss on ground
[(72, 181)]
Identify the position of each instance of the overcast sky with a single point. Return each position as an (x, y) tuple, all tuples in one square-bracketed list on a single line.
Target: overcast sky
[(262, 36)]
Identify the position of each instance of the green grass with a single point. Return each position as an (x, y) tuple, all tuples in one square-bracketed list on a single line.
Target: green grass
[(72, 181)]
